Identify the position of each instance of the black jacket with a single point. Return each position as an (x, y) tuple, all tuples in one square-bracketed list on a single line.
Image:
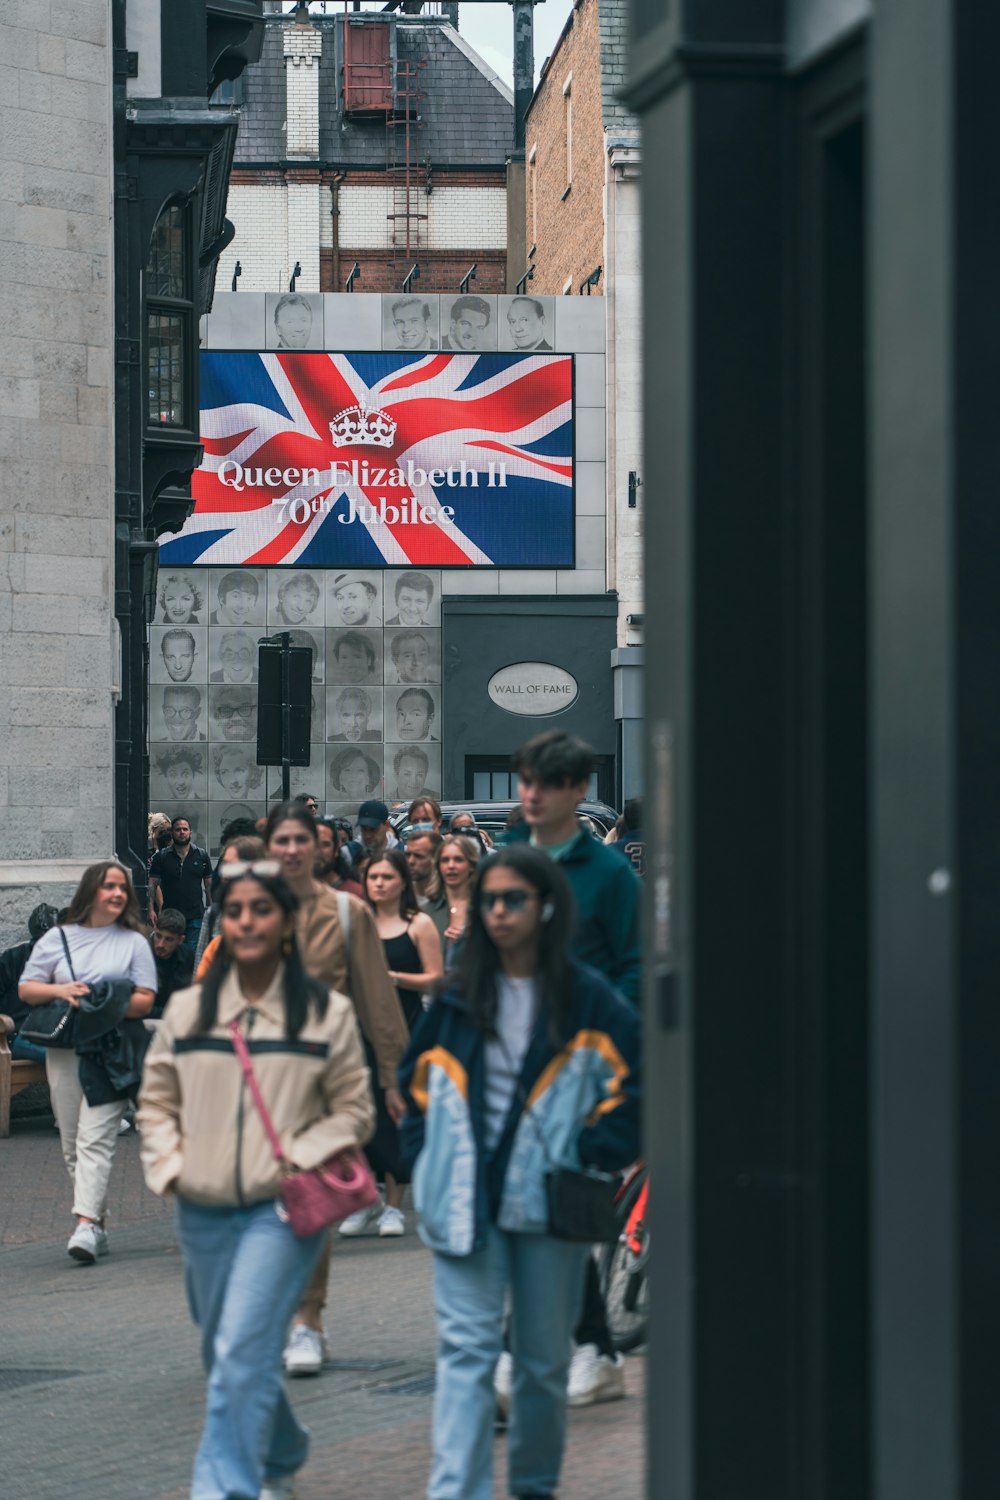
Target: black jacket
[(111, 1049)]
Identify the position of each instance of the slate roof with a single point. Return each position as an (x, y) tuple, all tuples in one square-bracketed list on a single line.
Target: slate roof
[(466, 119)]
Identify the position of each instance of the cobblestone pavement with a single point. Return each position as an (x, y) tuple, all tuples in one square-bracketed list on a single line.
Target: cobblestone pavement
[(100, 1388)]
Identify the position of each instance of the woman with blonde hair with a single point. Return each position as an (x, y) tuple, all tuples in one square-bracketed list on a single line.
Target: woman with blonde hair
[(454, 870), (102, 938)]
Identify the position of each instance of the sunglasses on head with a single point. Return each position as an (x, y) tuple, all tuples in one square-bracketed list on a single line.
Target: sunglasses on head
[(513, 900), (233, 869)]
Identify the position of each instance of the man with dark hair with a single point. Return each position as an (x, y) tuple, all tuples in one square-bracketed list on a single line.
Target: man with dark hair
[(414, 715), (354, 658), (413, 594), (411, 321), (411, 656), (181, 707), (553, 776), (411, 765), (174, 960), (293, 321), (237, 594), (309, 801), (181, 877), (178, 649), (12, 962), (526, 321), (470, 318)]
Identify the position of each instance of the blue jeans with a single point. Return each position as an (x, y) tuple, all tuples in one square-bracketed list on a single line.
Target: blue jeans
[(26, 1051), (192, 933), (545, 1279), (245, 1272)]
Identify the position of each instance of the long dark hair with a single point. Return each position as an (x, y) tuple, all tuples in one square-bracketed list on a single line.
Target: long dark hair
[(408, 904), (86, 894), (301, 991), (290, 812), (479, 964)]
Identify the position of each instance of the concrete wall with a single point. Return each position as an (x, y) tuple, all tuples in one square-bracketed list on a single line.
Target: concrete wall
[(56, 775)]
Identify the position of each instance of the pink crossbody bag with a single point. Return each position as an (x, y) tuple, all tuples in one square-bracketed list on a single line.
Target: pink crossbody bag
[(311, 1200)]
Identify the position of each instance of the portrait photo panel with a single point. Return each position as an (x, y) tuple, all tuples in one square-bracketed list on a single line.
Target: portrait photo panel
[(237, 597), (526, 324), (221, 814), (354, 598), (182, 596), (411, 770), (312, 640), (178, 653), (412, 715), (354, 657), (353, 714), (412, 596), (234, 772), (294, 597), (354, 772), (232, 654), (178, 712), (468, 324), (232, 714), (413, 655), (293, 320), (178, 774), (410, 322)]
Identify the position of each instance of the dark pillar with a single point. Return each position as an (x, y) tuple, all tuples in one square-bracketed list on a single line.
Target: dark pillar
[(524, 66)]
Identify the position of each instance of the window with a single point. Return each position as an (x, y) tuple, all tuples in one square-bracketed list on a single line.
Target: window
[(229, 92), (170, 323), (568, 122), (489, 778)]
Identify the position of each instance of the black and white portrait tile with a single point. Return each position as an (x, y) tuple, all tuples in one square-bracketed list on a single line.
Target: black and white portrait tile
[(293, 320), (412, 596), (412, 769), (312, 640), (234, 772), (294, 597), (354, 657), (232, 655), (410, 322), (526, 324), (182, 596), (353, 714), (354, 772), (178, 653), (303, 781), (354, 598), (413, 715), (469, 324), (232, 713), (413, 655), (237, 597), (178, 712), (177, 774)]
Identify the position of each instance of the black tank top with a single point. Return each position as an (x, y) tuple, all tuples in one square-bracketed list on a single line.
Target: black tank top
[(402, 957)]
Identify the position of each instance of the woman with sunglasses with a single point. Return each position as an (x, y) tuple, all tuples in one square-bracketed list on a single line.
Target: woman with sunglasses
[(204, 1143), (413, 955), (527, 1062)]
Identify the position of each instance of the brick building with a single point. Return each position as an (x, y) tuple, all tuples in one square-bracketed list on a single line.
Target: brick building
[(377, 139), (582, 229)]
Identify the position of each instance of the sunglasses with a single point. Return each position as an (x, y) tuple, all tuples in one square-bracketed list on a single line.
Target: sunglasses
[(513, 900), (234, 869)]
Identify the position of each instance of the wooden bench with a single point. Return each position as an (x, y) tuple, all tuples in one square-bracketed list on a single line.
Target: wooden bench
[(16, 1074)]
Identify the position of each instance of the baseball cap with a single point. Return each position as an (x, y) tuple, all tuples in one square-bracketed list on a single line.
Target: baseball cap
[(371, 814)]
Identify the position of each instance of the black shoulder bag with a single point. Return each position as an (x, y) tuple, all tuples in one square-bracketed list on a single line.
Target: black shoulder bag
[(580, 1202), (54, 1023)]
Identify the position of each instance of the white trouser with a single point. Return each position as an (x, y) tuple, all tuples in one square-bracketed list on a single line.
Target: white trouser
[(88, 1133)]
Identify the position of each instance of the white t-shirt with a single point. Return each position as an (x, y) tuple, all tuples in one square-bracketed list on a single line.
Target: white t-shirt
[(517, 1010), (98, 953)]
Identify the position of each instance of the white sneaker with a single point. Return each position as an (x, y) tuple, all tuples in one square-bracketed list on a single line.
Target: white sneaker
[(358, 1222), (87, 1243), (594, 1376), (124, 1125), (503, 1376), (391, 1223), (305, 1351), (279, 1489)]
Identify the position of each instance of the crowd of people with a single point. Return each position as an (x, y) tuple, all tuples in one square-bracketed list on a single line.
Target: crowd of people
[(460, 1017)]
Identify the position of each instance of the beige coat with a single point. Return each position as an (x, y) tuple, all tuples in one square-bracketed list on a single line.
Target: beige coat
[(200, 1130), (321, 943)]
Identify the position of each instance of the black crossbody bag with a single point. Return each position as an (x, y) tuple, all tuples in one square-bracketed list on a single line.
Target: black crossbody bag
[(580, 1201), (54, 1023)]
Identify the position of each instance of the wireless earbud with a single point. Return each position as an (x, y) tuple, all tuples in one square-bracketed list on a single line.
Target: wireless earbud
[(548, 912)]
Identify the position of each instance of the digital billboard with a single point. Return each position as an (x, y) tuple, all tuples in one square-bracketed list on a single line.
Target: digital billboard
[(371, 460)]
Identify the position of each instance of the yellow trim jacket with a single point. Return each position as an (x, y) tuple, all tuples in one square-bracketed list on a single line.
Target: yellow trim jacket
[(201, 1134)]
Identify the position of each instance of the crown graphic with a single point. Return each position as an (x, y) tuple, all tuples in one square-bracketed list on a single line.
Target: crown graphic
[(354, 425)]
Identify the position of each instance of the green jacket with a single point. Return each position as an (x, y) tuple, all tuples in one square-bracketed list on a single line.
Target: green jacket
[(606, 890)]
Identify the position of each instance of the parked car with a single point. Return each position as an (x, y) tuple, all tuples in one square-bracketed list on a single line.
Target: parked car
[(492, 816)]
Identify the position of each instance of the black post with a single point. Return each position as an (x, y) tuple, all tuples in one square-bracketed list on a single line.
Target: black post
[(286, 716), (524, 66)]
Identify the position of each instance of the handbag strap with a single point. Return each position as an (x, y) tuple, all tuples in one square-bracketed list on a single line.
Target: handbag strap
[(243, 1053), (69, 957)]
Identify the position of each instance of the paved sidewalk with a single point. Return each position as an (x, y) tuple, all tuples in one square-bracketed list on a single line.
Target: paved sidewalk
[(101, 1391)]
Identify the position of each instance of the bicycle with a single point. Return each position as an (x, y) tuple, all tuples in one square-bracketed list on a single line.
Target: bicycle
[(622, 1264)]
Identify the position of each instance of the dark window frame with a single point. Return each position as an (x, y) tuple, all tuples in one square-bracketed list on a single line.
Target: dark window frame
[(158, 304)]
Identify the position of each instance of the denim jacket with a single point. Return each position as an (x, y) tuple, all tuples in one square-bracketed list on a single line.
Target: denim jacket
[(583, 1099)]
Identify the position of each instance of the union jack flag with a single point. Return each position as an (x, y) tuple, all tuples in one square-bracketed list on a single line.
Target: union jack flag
[(486, 418)]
